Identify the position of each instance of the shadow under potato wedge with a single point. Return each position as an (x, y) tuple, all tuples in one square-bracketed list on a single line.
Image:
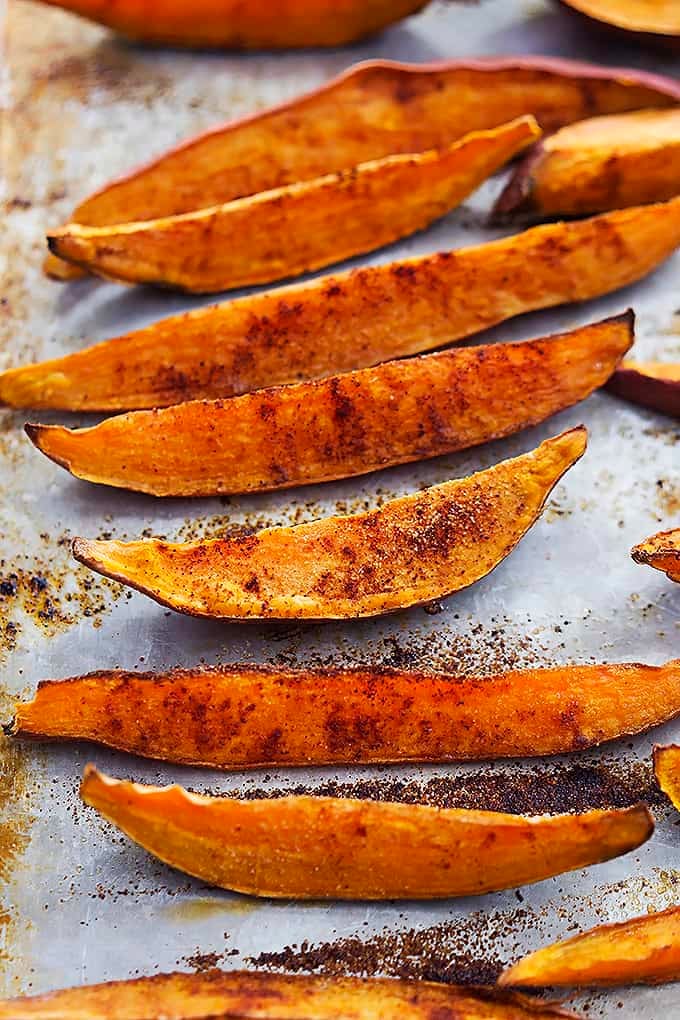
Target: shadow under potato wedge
[(596, 165), (667, 771), (258, 995), (331, 848), (652, 384), (643, 950), (257, 716), (657, 22), (353, 319), (345, 425), (374, 109), (410, 551), (233, 24), (661, 551), (298, 227)]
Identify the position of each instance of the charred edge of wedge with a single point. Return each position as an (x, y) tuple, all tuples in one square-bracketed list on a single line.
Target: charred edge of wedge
[(516, 199), (638, 387)]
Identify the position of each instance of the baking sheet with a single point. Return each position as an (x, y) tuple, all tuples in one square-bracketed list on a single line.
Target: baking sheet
[(79, 902)]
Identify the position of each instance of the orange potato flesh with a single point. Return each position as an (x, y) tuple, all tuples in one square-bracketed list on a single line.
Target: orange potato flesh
[(373, 110), (644, 950), (329, 848), (651, 20), (411, 550), (667, 771), (345, 425), (298, 227), (661, 551), (653, 384), (352, 319), (599, 164), (261, 996), (233, 24), (254, 716)]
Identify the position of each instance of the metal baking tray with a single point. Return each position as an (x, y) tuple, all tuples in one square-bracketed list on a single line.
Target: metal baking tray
[(80, 903)]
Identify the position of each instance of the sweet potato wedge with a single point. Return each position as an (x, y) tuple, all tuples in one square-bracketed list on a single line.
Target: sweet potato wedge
[(411, 550), (656, 22), (345, 425), (661, 551), (373, 110), (596, 165), (653, 384), (329, 848), (233, 24), (667, 771), (255, 716), (353, 319), (257, 995), (298, 227), (644, 950)]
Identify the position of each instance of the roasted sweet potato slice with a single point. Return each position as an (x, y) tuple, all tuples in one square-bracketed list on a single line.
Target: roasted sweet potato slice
[(667, 771), (644, 950), (298, 227), (411, 550), (654, 384), (343, 426), (372, 110), (253, 995), (252, 716), (654, 21), (598, 164), (233, 24), (353, 319), (661, 551), (329, 848)]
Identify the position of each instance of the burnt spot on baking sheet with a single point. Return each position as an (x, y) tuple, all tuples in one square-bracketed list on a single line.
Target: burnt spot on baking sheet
[(47, 590), (457, 952), (533, 790)]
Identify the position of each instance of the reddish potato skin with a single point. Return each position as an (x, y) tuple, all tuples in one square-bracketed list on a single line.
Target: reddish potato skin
[(633, 383), (670, 42)]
